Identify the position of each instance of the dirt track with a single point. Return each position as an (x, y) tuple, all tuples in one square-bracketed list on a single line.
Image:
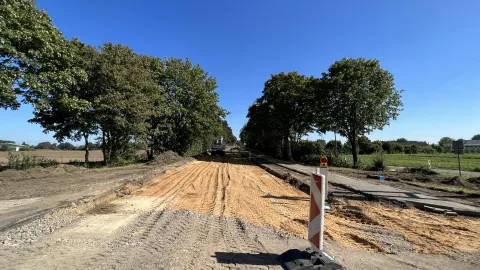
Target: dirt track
[(210, 214)]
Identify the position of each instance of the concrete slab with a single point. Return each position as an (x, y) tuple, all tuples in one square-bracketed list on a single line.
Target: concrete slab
[(385, 192)]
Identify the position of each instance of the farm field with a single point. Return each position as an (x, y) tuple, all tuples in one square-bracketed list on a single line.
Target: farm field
[(469, 162), (59, 155)]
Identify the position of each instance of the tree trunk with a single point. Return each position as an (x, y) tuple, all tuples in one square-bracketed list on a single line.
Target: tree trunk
[(86, 149), (287, 151), (110, 148), (353, 140), (150, 154), (150, 150), (104, 149)]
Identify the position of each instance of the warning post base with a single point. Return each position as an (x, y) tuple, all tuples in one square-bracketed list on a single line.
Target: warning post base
[(295, 259)]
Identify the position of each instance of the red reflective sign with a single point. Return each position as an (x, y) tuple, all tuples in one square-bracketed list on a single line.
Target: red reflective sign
[(323, 160)]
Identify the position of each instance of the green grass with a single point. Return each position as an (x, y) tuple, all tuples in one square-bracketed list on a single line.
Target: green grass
[(469, 162)]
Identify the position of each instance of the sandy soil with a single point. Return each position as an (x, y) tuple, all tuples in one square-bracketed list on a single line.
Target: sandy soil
[(37, 190), (248, 192), (210, 214)]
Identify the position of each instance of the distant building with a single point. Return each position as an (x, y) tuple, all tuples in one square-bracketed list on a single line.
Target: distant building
[(471, 144), (11, 147)]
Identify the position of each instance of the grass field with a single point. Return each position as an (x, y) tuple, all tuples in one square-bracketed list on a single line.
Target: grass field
[(469, 162), (58, 155)]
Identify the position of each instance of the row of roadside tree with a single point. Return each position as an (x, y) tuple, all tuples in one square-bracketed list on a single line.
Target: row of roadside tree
[(353, 98), (309, 151), (109, 93)]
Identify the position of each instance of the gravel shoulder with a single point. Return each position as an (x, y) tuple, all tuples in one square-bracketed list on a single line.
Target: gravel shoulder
[(31, 193)]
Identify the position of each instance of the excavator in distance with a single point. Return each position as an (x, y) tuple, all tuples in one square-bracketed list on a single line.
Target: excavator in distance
[(218, 147)]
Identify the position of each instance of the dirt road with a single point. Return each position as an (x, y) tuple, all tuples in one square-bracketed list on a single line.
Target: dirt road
[(211, 214)]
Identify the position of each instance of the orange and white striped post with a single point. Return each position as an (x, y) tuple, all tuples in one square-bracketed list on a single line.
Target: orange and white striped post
[(316, 258), (317, 211)]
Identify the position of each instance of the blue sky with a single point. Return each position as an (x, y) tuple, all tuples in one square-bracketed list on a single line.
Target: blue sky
[(431, 47)]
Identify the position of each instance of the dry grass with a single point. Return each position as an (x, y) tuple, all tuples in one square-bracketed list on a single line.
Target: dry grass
[(59, 155)]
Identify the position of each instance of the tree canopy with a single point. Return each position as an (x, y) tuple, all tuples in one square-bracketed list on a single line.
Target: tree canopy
[(227, 133), (446, 144), (476, 137), (46, 145), (74, 123), (361, 97), (279, 115), (37, 62), (66, 146), (124, 100), (355, 97)]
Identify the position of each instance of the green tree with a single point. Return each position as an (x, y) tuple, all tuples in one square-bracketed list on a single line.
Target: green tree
[(123, 102), (36, 60), (69, 122), (304, 149), (365, 145), (46, 145), (396, 148), (437, 148), (361, 98), (227, 133), (377, 146), (66, 146), (476, 137), (91, 146), (347, 147), (402, 140), (334, 146), (285, 95), (386, 146), (445, 144), (426, 149), (159, 129), (260, 132), (195, 117), (412, 149)]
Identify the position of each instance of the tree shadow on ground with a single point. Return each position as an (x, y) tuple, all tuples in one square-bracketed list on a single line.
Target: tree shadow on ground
[(233, 158)]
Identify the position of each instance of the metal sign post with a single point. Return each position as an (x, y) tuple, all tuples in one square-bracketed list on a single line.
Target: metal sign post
[(459, 169), (458, 147)]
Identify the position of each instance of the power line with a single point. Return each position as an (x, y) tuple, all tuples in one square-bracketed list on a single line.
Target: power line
[(459, 72)]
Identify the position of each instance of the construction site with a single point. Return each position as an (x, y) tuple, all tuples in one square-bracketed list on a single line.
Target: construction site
[(239, 135), (218, 213)]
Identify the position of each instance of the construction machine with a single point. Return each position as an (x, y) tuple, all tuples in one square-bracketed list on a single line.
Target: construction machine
[(218, 147)]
